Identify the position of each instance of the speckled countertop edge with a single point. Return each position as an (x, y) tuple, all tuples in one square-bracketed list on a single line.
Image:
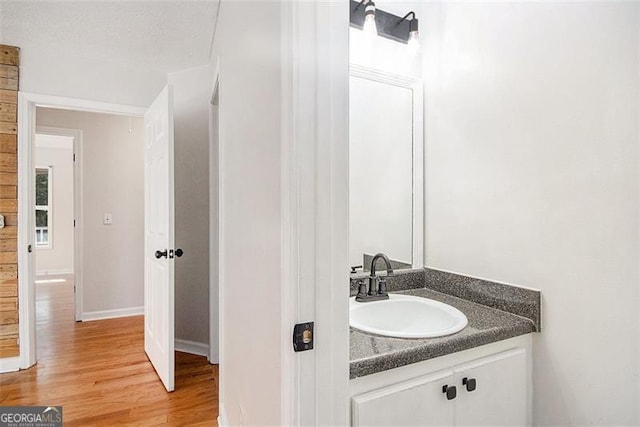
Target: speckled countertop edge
[(512, 299), (370, 354)]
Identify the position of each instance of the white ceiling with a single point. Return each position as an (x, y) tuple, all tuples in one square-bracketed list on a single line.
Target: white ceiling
[(169, 35)]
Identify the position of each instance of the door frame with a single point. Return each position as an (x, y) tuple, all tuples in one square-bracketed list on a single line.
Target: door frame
[(315, 210), (314, 153), (215, 232), (76, 134), (27, 103)]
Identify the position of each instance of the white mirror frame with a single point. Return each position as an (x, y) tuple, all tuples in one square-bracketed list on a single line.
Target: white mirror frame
[(416, 86)]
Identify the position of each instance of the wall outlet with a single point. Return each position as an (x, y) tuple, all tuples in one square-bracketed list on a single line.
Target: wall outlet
[(108, 219)]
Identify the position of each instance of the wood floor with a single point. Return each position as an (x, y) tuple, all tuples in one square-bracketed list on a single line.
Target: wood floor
[(99, 373)]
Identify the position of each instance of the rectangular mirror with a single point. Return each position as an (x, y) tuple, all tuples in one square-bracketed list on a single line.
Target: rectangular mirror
[(385, 168)]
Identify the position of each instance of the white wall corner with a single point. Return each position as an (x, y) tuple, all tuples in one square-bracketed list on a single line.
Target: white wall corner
[(112, 314), (192, 347), (9, 364)]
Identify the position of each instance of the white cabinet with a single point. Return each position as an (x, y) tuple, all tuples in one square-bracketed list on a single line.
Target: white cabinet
[(500, 395), (414, 402), (490, 391)]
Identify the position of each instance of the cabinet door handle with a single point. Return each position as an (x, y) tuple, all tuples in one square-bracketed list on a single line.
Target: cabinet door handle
[(450, 391), (470, 383)]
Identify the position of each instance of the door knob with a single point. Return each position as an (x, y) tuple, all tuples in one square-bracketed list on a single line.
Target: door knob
[(470, 383), (161, 254), (179, 253), (450, 391)]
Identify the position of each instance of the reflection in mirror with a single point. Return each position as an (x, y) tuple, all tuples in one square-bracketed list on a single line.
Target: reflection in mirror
[(381, 171)]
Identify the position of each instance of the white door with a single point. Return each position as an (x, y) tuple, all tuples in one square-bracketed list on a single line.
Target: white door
[(159, 237), (497, 391), (417, 402)]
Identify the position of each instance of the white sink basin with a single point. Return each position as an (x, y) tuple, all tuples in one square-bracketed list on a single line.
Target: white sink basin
[(406, 316)]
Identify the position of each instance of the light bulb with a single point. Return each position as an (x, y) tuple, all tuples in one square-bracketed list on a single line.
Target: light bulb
[(414, 43), (369, 27)]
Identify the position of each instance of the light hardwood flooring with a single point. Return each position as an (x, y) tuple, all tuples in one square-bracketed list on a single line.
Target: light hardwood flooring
[(99, 373)]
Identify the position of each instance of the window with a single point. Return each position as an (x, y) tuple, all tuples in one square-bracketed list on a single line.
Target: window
[(43, 207)]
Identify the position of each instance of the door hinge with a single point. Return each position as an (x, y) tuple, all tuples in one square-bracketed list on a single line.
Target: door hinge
[(74, 289), (74, 157), (74, 222), (303, 336)]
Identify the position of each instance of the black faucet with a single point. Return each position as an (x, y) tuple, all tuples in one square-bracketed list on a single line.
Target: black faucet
[(377, 289)]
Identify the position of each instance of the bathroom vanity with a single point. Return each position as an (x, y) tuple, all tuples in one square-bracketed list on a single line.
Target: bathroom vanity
[(480, 375), (488, 385)]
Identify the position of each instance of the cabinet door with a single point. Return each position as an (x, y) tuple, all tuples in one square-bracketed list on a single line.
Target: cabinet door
[(418, 402), (500, 395)]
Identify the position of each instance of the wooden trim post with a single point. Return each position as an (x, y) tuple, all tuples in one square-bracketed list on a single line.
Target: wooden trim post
[(9, 319)]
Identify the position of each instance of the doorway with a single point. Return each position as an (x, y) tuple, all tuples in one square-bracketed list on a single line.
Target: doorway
[(33, 109), (108, 218), (54, 232), (90, 223)]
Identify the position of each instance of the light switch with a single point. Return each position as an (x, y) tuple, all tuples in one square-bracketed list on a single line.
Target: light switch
[(108, 219)]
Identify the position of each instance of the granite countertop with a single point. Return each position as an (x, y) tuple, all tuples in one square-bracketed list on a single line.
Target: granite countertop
[(373, 353)]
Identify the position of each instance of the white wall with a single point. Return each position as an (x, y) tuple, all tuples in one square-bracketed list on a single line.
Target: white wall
[(58, 259), (45, 71), (250, 368), (532, 178), (192, 91), (113, 182)]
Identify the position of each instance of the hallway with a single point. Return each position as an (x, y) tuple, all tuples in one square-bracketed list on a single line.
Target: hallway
[(99, 373)]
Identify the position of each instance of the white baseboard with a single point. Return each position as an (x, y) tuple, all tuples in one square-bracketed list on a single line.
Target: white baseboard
[(9, 364), (112, 314), (223, 421), (192, 347), (60, 272)]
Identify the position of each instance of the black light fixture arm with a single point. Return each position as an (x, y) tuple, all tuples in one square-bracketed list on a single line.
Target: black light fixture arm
[(404, 18), (413, 22)]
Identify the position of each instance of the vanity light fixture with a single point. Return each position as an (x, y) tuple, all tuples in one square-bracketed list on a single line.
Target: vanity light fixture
[(385, 24)]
